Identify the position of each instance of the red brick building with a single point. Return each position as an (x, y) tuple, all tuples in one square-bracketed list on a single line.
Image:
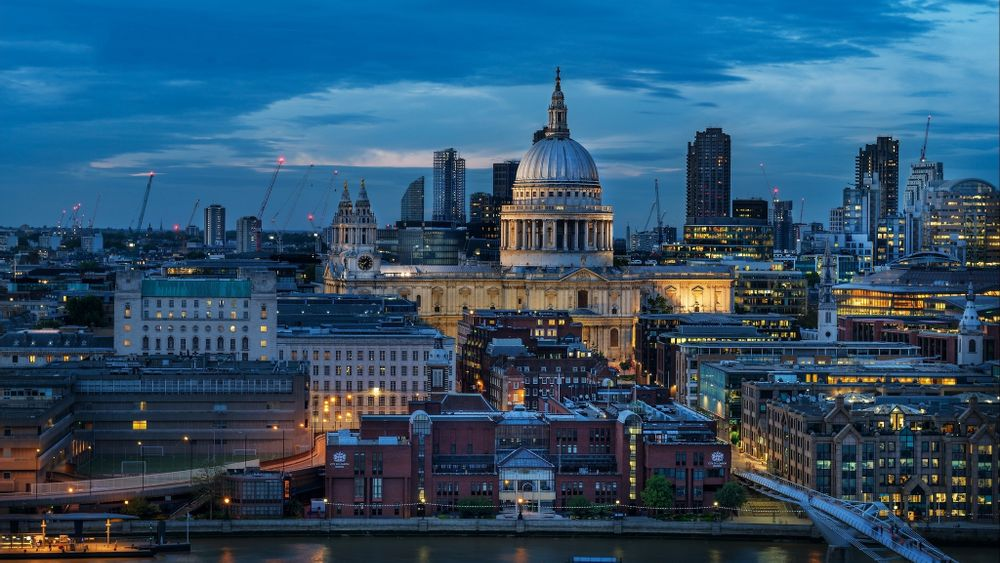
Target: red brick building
[(401, 466), (936, 338)]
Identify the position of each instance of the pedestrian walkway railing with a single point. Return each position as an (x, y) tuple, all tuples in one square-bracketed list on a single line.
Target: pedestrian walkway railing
[(872, 520), (132, 483)]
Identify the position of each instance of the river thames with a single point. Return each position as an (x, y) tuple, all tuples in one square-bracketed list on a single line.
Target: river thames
[(509, 550)]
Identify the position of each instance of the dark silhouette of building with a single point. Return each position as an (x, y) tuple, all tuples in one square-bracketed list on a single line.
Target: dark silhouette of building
[(411, 207), (782, 223), (753, 208), (503, 181), (709, 178), (449, 186), (879, 162)]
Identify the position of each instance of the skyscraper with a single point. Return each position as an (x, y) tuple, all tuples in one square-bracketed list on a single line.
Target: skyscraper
[(923, 175), (753, 208), (709, 178), (449, 186), (782, 216), (411, 207), (879, 164), (246, 234), (215, 225), (503, 181)]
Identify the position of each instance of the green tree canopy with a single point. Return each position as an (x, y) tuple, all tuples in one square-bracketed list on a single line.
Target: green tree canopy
[(659, 493), (85, 311), (580, 507), (475, 507), (731, 495)]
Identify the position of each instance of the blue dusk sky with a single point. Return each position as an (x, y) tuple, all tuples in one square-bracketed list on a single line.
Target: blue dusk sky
[(210, 93)]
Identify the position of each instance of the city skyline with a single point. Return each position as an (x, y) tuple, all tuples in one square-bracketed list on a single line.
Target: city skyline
[(802, 92)]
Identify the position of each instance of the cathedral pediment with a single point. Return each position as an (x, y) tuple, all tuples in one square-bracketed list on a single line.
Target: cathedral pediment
[(583, 275)]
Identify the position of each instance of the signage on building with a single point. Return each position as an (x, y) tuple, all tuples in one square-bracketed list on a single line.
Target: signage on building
[(339, 460), (718, 459)]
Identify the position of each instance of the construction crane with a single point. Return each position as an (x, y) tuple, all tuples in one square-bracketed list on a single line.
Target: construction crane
[(314, 216), (60, 220), (802, 209), (93, 214), (258, 226), (194, 210), (145, 199), (291, 203), (74, 218), (927, 131)]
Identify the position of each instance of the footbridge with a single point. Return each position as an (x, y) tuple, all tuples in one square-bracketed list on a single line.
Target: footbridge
[(868, 526), (117, 488)]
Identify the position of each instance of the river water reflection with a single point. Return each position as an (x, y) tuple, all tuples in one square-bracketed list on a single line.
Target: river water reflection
[(509, 550)]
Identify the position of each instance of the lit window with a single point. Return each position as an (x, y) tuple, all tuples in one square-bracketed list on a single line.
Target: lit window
[(263, 328), (142, 405), (127, 328), (263, 343), (138, 425), (232, 328), (126, 343)]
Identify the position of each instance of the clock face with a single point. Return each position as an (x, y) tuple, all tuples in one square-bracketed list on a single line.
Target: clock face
[(365, 262)]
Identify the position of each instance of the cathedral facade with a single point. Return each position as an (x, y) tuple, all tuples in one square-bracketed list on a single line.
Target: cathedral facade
[(555, 253)]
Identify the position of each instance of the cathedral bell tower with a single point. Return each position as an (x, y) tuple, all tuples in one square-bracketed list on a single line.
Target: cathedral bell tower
[(353, 251)]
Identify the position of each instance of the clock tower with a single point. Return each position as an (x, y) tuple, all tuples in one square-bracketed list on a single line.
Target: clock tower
[(353, 252)]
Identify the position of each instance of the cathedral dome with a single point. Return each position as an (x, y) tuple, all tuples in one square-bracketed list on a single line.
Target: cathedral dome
[(557, 160)]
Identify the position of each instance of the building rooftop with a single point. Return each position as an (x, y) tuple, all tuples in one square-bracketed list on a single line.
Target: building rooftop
[(194, 287)]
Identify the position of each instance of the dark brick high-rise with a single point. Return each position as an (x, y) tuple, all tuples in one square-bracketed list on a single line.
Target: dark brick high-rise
[(881, 162), (709, 179)]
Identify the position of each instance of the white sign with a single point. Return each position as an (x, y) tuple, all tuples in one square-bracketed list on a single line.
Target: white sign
[(339, 460), (718, 459)]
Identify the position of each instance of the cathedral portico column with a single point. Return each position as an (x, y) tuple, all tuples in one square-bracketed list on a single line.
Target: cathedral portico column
[(565, 244)]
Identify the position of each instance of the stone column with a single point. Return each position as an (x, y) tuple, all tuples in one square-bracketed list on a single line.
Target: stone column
[(565, 244)]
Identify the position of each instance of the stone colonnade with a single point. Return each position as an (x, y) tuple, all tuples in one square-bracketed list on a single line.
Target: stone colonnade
[(571, 235)]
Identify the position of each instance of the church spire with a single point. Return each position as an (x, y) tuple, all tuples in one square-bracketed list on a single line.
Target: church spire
[(362, 205), (558, 126), (345, 207)]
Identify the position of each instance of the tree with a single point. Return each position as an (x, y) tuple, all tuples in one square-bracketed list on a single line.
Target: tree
[(85, 311), (474, 507), (142, 508), (659, 493), (659, 304), (580, 507), (732, 495)]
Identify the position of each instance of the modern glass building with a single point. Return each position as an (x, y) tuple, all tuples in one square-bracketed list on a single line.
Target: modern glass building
[(709, 179), (411, 207), (962, 219), (449, 186)]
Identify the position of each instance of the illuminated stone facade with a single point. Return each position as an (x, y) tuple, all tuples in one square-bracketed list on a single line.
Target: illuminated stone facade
[(555, 254)]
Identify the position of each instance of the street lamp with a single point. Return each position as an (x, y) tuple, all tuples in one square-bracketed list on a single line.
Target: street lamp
[(38, 456), (142, 463), (520, 508), (715, 506), (190, 445)]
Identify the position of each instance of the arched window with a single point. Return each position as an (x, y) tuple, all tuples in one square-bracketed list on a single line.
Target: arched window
[(232, 344), (614, 338), (145, 343), (170, 343), (972, 346), (246, 343), (418, 302), (194, 343), (220, 344), (581, 299)]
